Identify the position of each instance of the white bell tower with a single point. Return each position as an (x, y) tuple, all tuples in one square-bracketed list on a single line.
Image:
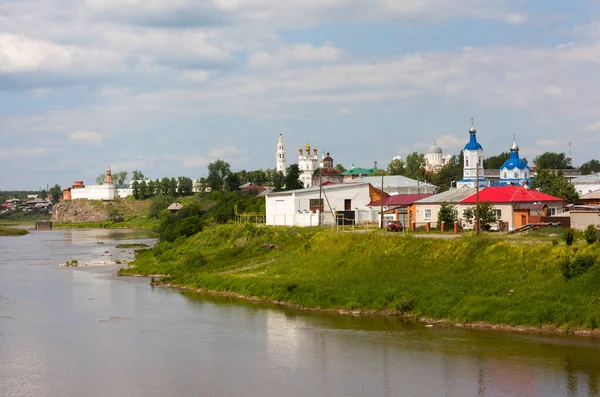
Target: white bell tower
[(473, 161), (281, 163)]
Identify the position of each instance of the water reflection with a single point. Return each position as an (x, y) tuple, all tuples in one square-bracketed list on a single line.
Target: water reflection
[(82, 331)]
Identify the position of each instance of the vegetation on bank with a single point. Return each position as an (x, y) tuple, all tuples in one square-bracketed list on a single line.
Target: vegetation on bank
[(11, 231), (133, 245), (520, 282)]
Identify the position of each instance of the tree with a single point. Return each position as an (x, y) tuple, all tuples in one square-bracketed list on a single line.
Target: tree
[(151, 188), (555, 184), (55, 193), (143, 190), (487, 214), (552, 161), (257, 177), (137, 175), (217, 172), (136, 190), (340, 168), (447, 214), (495, 162), (186, 186), (278, 181), (173, 187), (232, 182), (100, 179), (396, 167), (120, 177), (590, 167), (292, 178), (201, 184), (415, 166), (590, 234), (165, 186)]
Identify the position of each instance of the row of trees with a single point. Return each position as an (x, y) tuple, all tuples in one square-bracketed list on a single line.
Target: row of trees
[(449, 214), (182, 186)]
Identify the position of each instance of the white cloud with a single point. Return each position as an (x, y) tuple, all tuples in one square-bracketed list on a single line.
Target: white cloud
[(592, 127), (294, 54), (225, 151), (195, 76), (87, 137), (25, 153)]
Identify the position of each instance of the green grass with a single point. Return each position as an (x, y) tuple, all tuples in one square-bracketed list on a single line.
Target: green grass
[(137, 245), (9, 231), (515, 282)]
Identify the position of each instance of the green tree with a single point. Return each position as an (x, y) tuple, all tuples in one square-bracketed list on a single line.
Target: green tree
[(55, 193), (396, 167), (232, 182), (292, 178), (554, 184), (143, 190), (217, 172), (487, 214), (552, 161), (590, 234), (201, 184), (590, 167), (186, 186), (173, 187), (100, 179), (151, 188), (137, 194), (158, 204), (165, 186), (447, 214), (137, 175), (278, 181), (120, 177), (257, 177), (415, 166), (340, 168), (495, 162)]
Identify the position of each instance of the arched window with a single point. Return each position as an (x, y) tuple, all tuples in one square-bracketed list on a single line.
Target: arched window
[(516, 174), (467, 161), (505, 175)]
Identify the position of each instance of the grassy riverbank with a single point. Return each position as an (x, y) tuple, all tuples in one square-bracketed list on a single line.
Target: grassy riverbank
[(10, 231), (136, 222), (516, 283)]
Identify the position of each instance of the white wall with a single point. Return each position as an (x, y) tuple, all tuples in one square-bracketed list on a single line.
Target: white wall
[(585, 188), (95, 192)]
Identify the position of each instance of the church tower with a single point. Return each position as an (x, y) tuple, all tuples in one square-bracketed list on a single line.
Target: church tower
[(281, 163), (473, 161), (515, 170)]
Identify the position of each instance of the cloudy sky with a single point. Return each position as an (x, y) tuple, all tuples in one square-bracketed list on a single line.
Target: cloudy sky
[(170, 86)]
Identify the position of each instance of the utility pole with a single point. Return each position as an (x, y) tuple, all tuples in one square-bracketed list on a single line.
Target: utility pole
[(477, 199), (320, 199), (381, 222)]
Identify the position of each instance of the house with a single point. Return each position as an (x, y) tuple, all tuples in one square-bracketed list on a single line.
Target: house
[(303, 207), (592, 198), (398, 184), (246, 187), (515, 205), (585, 184), (398, 207), (584, 215)]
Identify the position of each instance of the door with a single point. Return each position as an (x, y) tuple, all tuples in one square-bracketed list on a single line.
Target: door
[(523, 220), (347, 205)]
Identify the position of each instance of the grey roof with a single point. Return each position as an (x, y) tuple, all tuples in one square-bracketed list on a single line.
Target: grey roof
[(449, 196), (311, 189), (590, 196), (392, 181), (175, 207), (591, 178)]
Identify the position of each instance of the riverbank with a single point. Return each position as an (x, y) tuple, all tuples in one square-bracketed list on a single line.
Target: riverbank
[(507, 283), (12, 231)]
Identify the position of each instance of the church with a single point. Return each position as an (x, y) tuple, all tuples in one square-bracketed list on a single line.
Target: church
[(308, 163)]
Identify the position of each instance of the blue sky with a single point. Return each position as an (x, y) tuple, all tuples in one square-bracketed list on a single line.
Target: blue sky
[(168, 87)]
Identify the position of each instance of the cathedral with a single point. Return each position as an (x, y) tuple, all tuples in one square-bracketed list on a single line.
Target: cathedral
[(434, 159)]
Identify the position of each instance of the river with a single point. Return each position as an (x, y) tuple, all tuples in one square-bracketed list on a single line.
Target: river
[(85, 332)]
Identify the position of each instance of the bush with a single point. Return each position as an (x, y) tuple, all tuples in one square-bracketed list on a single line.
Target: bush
[(569, 236), (590, 234), (578, 266)]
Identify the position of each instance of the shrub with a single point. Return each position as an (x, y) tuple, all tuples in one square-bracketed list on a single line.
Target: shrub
[(590, 234), (578, 266), (569, 236)]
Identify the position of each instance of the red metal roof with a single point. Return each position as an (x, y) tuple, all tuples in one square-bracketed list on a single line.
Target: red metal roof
[(397, 200), (510, 194)]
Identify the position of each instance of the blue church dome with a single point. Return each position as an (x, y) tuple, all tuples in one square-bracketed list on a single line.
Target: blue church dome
[(473, 144), (514, 161)]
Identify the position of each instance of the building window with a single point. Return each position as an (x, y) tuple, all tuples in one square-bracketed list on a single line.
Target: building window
[(467, 161), (427, 214), (551, 211), (480, 161), (505, 175), (498, 214), (516, 174)]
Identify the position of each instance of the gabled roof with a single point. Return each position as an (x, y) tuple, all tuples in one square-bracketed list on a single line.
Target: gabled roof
[(317, 188), (393, 181), (510, 194), (398, 200), (591, 196), (591, 178), (359, 171), (449, 196)]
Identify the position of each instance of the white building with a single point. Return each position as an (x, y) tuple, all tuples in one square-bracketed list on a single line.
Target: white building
[(585, 184), (307, 163), (515, 170), (434, 159), (106, 191), (473, 162), (303, 207), (397, 184), (281, 161)]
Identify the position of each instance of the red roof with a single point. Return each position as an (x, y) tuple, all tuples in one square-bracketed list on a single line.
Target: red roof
[(399, 199), (510, 194)]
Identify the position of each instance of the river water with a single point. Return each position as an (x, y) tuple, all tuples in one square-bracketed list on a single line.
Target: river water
[(85, 332)]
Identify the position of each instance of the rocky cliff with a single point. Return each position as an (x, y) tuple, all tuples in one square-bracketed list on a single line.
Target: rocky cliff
[(84, 211)]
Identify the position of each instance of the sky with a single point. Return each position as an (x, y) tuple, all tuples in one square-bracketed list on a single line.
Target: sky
[(167, 87)]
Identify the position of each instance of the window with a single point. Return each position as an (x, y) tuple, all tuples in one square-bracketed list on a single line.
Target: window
[(467, 161), (480, 161), (427, 213), (551, 211), (516, 174), (498, 214), (505, 175), (313, 205)]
